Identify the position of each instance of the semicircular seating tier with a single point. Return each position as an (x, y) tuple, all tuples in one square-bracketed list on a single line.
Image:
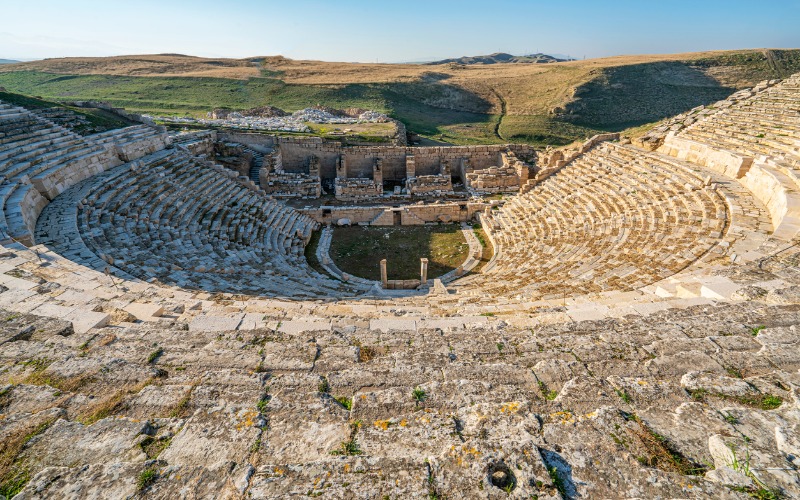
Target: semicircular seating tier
[(172, 218), (616, 218), (757, 141), (37, 160)]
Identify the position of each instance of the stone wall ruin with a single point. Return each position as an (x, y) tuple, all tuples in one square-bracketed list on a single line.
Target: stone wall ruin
[(359, 172), (278, 182)]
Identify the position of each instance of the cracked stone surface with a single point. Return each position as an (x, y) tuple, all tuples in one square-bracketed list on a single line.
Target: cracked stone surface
[(576, 410)]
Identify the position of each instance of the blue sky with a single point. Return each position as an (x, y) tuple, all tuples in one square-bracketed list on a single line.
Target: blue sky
[(391, 31)]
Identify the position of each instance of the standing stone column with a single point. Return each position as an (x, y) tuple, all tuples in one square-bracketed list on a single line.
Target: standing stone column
[(384, 278), (423, 271), (411, 166)]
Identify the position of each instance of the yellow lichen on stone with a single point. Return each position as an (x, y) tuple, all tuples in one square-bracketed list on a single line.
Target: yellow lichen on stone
[(248, 420), (564, 417), (510, 407), (382, 424), (463, 454)]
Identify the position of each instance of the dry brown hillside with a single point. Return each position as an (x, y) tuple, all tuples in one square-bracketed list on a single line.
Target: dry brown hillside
[(547, 103), (527, 89), (143, 65)]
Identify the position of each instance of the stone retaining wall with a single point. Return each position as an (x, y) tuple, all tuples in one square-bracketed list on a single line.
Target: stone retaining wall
[(247, 138), (357, 189), (384, 216), (361, 159), (430, 185), (117, 111), (775, 190), (276, 181), (57, 179), (509, 176), (493, 180), (723, 161), (30, 207)]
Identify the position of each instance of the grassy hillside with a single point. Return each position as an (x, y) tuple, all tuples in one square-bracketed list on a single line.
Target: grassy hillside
[(96, 118), (552, 103), (628, 96)]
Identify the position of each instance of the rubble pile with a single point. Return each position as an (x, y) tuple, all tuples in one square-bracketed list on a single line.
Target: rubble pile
[(270, 118)]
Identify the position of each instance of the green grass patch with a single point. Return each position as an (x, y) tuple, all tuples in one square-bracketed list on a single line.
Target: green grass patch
[(425, 108), (311, 253), (181, 408), (759, 400), (623, 395), (558, 481), (15, 471), (146, 478), (607, 99), (263, 403), (155, 355), (15, 481), (359, 250), (758, 493), (543, 130), (419, 395), (193, 96), (361, 132), (661, 453), (346, 402), (153, 447), (548, 394), (487, 250), (350, 447)]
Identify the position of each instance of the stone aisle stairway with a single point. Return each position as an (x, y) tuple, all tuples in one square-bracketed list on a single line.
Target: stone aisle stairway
[(258, 162)]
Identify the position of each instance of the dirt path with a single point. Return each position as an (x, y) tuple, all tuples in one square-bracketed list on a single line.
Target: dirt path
[(502, 114)]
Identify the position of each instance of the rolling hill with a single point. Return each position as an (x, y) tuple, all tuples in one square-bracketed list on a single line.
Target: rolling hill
[(501, 58), (553, 103)]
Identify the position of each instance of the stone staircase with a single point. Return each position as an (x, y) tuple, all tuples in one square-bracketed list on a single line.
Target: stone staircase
[(258, 162)]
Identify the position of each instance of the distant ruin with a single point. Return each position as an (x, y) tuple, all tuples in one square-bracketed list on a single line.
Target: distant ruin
[(296, 168)]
